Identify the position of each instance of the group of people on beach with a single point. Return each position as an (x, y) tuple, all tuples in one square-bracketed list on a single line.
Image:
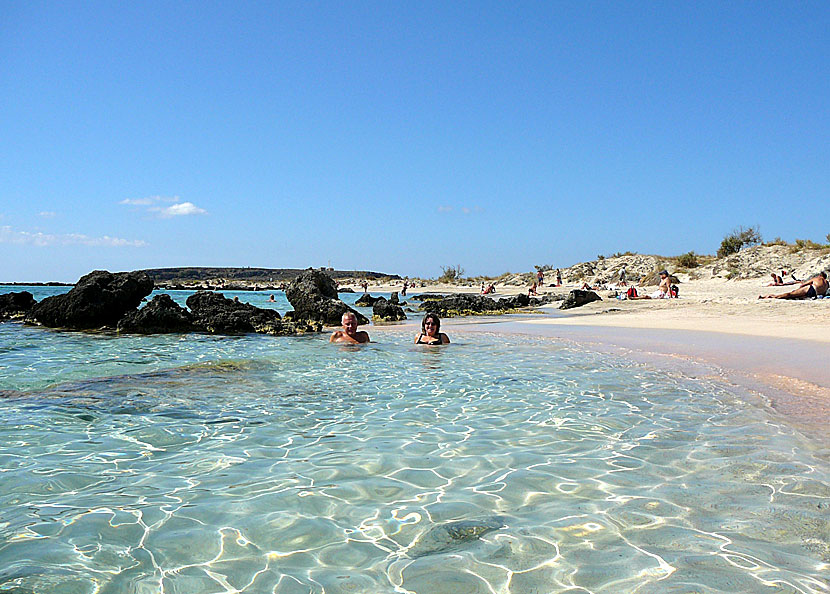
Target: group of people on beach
[(430, 335), (808, 289)]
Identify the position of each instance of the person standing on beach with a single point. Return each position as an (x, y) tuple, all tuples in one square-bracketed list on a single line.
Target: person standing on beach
[(809, 289), (622, 276), (540, 277), (558, 278), (349, 334)]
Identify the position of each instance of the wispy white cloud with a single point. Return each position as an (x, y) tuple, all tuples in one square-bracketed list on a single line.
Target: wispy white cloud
[(47, 214), (149, 200), (177, 208), (467, 210), (10, 235)]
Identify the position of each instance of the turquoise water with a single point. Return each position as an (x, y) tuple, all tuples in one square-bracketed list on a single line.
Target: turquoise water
[(282, 464)]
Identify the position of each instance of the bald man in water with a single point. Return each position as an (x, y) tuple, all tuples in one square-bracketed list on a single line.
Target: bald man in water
[(815, 287), (349, 334)]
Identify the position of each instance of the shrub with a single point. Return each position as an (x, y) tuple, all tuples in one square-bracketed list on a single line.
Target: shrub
[(451, 274), (688, 260), (806, 244), (776, 241), (739, 239), (733, 273), (827, 237)]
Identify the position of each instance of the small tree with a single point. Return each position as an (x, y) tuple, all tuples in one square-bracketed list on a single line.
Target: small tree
[(688, 260), (739, 239), (451, 274)]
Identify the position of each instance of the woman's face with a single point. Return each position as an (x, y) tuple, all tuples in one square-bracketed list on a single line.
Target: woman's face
[(430, 327)]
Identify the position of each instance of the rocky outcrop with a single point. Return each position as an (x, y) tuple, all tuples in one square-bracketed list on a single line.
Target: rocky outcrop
[(99, 299), (161, 315), (385, 310), (469, 305), (578, 298), (15, 305), (214, 313), (366, 300), (313, 295)]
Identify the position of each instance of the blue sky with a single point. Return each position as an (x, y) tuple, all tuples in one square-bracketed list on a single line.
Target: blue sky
[(403, 137)]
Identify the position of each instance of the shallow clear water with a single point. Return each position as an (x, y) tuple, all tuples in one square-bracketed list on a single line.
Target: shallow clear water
[(260, 464)]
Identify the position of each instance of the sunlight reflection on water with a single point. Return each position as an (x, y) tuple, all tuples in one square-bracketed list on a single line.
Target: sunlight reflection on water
[(506, 464)]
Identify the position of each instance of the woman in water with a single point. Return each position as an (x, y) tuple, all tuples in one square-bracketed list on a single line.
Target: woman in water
[(431, 331)]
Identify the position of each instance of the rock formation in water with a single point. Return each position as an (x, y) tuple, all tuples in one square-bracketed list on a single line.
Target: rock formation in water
[(161, 315), (464, 304), (366, 300), (578, 298), (385, 310), (16, 305), (313, 295), (97, 300), (214, 313)]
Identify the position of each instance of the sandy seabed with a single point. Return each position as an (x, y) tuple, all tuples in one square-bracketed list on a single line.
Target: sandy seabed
[(779, 349)]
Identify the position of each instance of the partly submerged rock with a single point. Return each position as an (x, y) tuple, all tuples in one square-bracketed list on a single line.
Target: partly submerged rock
[(313, 295), (161, 315), (578, 298), (387, 311), (97, 300), (366, 300), (214, 313), (16, 305), (451, 536), (464, 304)]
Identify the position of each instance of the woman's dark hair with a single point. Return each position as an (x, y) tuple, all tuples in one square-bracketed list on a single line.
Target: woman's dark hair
[(434, 318)]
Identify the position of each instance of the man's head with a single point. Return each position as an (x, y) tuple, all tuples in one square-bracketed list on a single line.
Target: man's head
[(664, 273), (823, 275), (349, 321)]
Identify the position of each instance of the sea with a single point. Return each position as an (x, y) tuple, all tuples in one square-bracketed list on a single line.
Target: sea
[(500, 463)]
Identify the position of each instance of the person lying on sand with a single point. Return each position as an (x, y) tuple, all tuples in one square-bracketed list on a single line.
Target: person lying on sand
[(430, 331), (349, 333), (809, 289), (777, 281)]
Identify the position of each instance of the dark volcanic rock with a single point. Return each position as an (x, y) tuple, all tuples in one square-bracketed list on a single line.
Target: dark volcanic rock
[(425, 296), (578, 298), (468, 305), (214, 313), (345, 290), (313, 295), (393, 298), (366, 300), (452, 536), (161, 315), (387, 311), (98, 299), (15, 305)]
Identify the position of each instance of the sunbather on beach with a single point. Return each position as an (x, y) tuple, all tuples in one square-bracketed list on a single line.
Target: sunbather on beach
[(431, 331), (777, 281), (663, 290), (809, 289), (349, 333)]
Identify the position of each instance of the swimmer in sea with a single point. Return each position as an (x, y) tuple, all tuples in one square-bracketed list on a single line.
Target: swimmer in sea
[(431, 331), (349, 334)]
